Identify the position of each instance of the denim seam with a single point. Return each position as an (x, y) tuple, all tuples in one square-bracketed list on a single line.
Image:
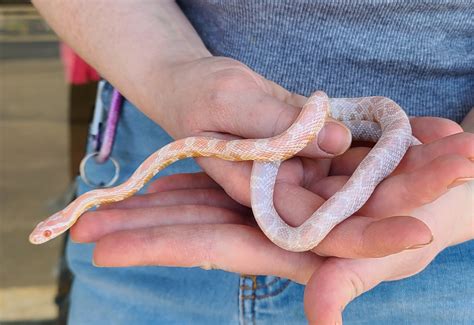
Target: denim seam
[(272, 294), (263, 286), (242, 304)]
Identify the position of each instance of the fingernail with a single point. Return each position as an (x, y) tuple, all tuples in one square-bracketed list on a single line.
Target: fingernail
[(334, 138), (460, 181), (95, 264), (420, 245)]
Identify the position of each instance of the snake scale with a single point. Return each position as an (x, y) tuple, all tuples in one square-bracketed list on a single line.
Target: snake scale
[(376, 119)]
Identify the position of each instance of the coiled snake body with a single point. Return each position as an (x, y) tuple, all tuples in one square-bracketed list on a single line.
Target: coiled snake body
[(368, 118)]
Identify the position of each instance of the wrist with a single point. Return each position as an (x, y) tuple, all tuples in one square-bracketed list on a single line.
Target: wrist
[(163, 81), (130, 43)]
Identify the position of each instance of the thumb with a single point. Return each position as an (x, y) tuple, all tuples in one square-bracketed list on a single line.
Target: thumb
[(254, 113), (333, 139), (337, 283)]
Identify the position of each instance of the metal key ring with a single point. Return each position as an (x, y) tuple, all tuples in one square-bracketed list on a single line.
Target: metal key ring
[(82, 171)]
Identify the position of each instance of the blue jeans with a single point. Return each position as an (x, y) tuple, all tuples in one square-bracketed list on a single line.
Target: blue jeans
[(442, 294)]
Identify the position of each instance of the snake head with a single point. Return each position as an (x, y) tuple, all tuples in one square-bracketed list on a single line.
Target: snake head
[(46, 230)]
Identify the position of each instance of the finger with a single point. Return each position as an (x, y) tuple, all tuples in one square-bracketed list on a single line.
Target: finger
[(336, 283), (211, 196), (235, 176), (182, 181), (457, 144), (313, 170), (94, 225), (429, 129), (367, 236), (356, 237), (256, 114), (294, 203), (328, 186), (401, 193), (234, 248), (417, 156), (339, 281), (347, 163), (404, 192), (360, 237)]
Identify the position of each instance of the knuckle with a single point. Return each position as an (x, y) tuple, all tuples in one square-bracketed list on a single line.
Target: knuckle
[(416, 198), (452, 165), (467, 141), (357, 285), (224, 88), (207, 195), (414, 263), (449, 127), (146, 241), (352, 279), (207, 252), (232, 76)]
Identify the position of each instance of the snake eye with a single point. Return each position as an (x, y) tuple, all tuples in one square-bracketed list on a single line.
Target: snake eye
[(47, 233)]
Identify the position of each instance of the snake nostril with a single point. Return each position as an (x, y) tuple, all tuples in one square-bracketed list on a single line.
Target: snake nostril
[(47, 233)]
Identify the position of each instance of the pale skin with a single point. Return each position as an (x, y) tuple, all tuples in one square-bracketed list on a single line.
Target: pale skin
[(187, 220), (189, 92)]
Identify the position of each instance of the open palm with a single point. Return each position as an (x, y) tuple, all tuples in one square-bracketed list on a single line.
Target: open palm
[(188, 220)]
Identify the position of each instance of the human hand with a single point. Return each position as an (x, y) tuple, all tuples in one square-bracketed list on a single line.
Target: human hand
[(188, 221), (339, 281), (444, 156), (294, 176), (450, 218), (226, 239), (222, 98)]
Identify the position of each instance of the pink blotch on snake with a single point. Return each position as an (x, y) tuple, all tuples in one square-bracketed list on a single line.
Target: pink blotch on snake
[(376, 119)]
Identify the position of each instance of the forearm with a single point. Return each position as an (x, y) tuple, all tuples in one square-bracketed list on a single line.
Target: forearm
[(130, 43)]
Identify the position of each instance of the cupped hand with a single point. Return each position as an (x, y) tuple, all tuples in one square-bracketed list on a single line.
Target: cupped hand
[(188, 220), (379, 229), (339, 281), (194, 224)]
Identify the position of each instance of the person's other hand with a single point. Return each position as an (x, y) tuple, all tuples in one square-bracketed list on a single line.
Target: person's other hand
[(193, 223), (187, 220), (339, 281)]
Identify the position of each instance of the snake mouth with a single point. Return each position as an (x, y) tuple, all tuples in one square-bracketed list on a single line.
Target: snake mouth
[(36, 239), (39, 235)]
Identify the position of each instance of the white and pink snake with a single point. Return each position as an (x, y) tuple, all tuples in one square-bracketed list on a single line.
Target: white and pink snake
[(368, 118)]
